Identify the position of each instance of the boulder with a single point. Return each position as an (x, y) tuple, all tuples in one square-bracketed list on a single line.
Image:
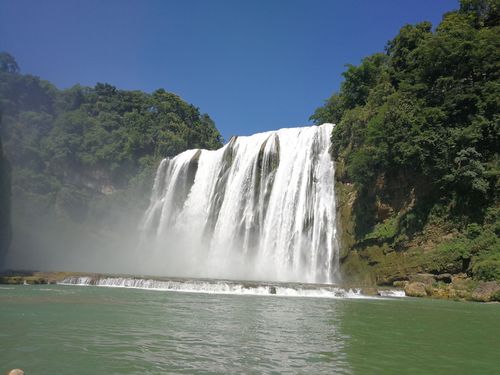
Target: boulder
[(415, 289), (487, 292), (15, 371)]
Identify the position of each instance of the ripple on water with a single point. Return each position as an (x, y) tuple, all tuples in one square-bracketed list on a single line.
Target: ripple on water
[(126, 331)]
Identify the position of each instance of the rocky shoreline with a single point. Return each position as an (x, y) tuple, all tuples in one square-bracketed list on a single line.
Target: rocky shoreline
[(36, 277), (447, 286)]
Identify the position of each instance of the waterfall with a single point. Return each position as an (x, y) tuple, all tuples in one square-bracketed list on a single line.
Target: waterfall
[(224, 287), (260, 208)]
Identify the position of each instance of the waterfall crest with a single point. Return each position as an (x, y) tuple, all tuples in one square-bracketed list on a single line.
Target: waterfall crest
[(262, 207)]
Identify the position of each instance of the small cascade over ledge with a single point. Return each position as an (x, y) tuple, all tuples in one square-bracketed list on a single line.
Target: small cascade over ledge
[(260, 208)]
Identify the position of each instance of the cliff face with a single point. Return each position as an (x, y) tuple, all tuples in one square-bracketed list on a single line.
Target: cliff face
[(377, 253), (435, 257), (5, 226)]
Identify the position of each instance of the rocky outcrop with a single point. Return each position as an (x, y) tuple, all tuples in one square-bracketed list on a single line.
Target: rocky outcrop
[(416, 265), (456, 287), (487, 292), (416, 289)]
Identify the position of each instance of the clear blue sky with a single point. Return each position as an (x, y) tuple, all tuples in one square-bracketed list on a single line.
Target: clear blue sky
[(251, 65)]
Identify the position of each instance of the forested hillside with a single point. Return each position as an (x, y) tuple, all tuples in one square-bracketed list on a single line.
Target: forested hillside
[(416, 146), (82, 155)]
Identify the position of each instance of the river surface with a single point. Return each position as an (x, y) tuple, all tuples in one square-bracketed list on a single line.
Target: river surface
[(55, 329)]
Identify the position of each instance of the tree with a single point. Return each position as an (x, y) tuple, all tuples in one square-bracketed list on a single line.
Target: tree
[(8, 63), (418, 131)]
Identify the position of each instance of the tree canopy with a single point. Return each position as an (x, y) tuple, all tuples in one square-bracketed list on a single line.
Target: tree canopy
[(49, 131), (83, 158), (426, 111)]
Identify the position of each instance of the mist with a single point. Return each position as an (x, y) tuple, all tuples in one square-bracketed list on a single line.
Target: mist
[(118, 243), (107, 244)]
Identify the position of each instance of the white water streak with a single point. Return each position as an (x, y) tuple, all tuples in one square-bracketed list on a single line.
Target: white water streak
[(216, 287)]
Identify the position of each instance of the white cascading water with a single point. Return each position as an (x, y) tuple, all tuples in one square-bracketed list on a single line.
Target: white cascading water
[(260, 208), (219, 287)]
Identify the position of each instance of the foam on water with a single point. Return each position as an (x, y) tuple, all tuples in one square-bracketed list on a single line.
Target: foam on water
[(392, 293), (219, 287)]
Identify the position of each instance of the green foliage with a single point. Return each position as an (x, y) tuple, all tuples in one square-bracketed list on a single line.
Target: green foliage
[(73, 150), (384, 231), (450, 256), (418, 127), (467, 173), (363, 165), (481, 12), (100, 130), (430, 104), (487, 269), (331, 112), (8, 63), (360, 79)]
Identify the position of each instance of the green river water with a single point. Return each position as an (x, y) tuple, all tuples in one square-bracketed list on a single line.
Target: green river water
[(93, 330)]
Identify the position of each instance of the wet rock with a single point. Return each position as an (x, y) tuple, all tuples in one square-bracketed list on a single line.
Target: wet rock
[(487, 292), (416, 289), (272, 290)]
